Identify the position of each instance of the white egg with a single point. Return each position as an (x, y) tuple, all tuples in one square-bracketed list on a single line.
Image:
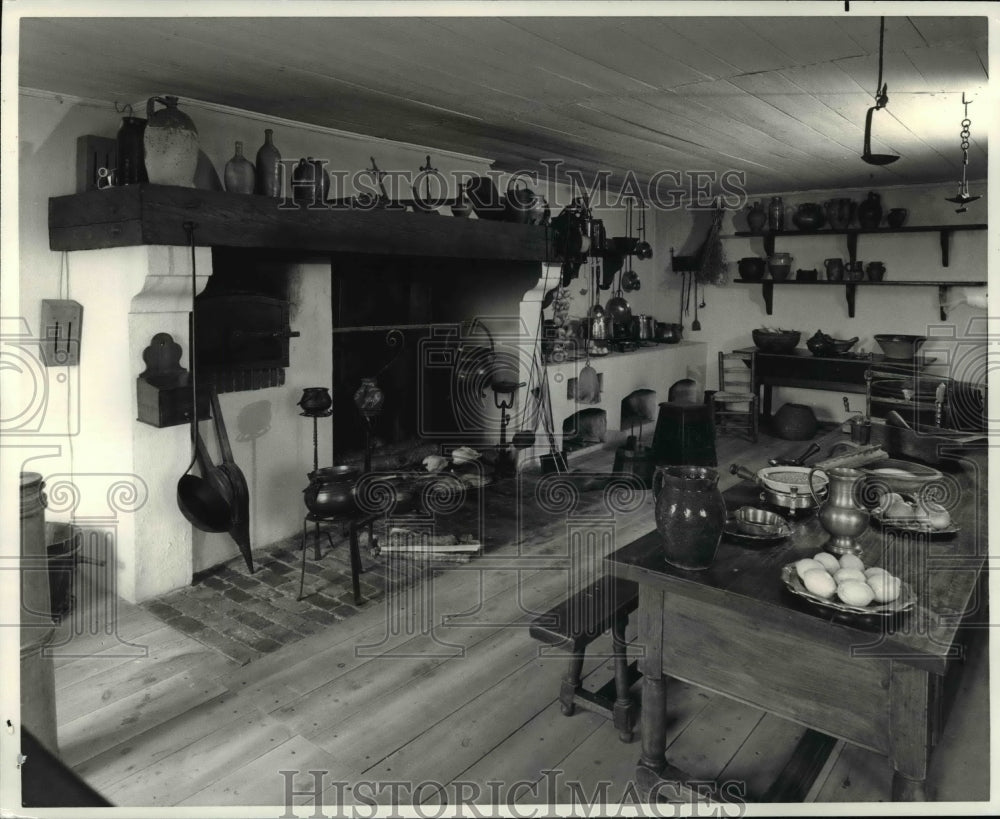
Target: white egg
[(885, 587), (850, 561), (820, 583), (805, 565), (855, 593), (829, 561), (843, 575)]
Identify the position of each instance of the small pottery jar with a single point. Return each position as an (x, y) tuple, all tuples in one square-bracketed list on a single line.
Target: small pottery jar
[(808, 216), (268, 167), (839, 213), (170, 144), (131, 168), (780, 265), (310, 183), (896, 217), (854, 271), (776, 214), (756, 217), (834, 270), (690, 514), (875, 271), (239, 175), (870, 212)]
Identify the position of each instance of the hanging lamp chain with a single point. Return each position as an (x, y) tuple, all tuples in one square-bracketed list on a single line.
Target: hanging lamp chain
[(881, 89)]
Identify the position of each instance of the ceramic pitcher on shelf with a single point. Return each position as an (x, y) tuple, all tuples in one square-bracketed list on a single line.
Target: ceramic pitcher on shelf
[(834, 269)]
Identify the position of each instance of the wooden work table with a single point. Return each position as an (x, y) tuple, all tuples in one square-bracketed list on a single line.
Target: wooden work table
[(736, 630)]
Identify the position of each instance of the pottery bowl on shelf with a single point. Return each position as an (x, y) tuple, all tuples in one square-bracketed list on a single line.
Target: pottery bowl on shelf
[(899, 347), (822, 344), (780, 272), (751, 269), (776, 341)]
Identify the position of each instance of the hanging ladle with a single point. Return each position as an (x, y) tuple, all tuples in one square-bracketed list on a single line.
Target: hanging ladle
[(205, 501)]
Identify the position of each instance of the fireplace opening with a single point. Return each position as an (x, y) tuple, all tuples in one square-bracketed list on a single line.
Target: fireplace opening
[(585, 428), (242, 323)]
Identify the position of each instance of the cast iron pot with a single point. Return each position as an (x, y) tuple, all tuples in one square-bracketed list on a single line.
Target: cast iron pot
[(330, 491), (752, 269)]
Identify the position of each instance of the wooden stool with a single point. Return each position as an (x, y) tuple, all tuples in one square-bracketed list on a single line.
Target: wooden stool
[(573, 625)]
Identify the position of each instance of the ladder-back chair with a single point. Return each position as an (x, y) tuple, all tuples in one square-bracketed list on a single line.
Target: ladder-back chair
[(734, 406)]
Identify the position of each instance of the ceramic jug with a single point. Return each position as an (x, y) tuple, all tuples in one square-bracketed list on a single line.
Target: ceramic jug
[(690, 514), (171, 144), (870, 212), (756, 217), (854, 271), (842, 515), (834, 269)]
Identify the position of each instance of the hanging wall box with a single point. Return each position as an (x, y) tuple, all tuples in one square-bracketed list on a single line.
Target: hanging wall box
[(61, 322), (163, 389)]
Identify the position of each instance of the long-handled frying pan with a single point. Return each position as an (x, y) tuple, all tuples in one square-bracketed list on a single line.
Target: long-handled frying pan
[(239, 525)]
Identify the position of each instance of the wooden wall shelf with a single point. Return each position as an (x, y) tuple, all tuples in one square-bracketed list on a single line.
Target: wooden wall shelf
[(155, 215), (944, 232), (850, 289)]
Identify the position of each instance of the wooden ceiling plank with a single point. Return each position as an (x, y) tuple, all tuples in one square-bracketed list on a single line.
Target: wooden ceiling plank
[(747, 51), (800, 38), (613, 44), (658, 33), (502, 45)]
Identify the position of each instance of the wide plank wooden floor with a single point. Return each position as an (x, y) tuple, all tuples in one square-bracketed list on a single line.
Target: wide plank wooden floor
[(151, 717)]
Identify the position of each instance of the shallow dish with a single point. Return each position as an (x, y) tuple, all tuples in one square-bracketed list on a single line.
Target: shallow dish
[(903, 477), (753, 520), (906, 600), (914, 526), (899, 347), (732, 532)]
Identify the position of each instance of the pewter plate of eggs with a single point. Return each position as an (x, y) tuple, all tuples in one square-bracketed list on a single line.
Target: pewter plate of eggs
[(846, 585)]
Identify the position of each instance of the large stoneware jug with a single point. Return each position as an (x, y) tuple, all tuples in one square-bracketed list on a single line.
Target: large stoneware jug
[(690, 514), (171, 144)]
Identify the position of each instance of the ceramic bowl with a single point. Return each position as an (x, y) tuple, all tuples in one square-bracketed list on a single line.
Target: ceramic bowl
[(900, 347), (752, 269), (780, 342)]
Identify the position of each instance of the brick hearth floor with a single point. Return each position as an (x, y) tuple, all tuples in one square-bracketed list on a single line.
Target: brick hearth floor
[(247, 615)]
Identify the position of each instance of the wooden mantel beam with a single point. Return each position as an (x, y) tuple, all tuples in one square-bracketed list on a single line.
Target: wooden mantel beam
[(155, 215)]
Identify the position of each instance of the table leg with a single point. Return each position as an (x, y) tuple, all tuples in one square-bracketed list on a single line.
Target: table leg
[(653, 727), (768, 389), (356, 568), (909, 729)]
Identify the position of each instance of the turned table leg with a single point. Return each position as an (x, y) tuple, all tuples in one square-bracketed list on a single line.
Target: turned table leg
[(653, 727), (909, 728)]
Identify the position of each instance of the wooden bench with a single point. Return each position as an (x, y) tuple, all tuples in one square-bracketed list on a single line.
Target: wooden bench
[(573, 625)]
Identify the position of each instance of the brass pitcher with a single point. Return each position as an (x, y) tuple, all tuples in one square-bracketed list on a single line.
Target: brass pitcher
[(842, 516)]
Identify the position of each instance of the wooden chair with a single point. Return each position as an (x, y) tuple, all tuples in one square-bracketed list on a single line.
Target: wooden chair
[(734, 406)]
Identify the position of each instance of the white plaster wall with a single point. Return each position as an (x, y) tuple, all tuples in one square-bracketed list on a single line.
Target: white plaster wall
[(734, 310)]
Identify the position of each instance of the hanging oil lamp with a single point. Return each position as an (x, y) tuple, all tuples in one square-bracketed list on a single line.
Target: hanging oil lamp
[(881, 101), (964, 198)]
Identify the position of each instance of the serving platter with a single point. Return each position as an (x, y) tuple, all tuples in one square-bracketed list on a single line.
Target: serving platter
[(914, 526), (733, 533), (906, 600)]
